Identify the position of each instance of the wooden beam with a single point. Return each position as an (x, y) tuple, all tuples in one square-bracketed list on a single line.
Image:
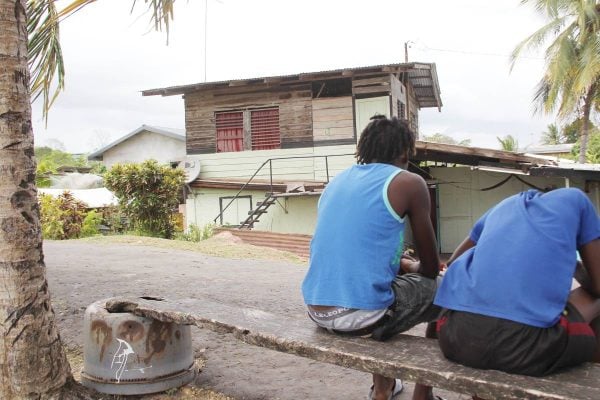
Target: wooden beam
[(415, 359)]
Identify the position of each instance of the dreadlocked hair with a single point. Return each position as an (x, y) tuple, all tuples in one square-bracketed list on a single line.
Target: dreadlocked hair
[(384, 140)]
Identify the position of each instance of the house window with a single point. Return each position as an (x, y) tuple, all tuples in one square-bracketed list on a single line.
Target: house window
[(401, 110), (230, 131), (264, 129)]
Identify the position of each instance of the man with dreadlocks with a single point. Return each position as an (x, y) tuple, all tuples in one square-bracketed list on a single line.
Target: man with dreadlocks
[(359, 283)]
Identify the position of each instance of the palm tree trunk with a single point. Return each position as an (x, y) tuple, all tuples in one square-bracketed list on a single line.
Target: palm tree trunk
[(32, 360), (585, 126)]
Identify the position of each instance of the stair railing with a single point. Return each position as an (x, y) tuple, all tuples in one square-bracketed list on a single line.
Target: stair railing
[(270, 162)]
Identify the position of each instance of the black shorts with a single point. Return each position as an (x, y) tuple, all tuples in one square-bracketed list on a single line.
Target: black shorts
[(484, 342)]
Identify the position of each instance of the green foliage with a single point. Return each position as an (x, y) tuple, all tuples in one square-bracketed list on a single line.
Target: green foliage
[(197, 234), (571, 131), (114, 219), (44, 49), (148, 194), (571, 81), (593, 150), (554, 135), (51, 217), (61, 217), (508, 143), (440, 138), (91, 224), (48, 161)]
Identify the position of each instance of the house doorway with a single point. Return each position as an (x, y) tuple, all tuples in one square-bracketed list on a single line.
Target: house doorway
[(366, 108)]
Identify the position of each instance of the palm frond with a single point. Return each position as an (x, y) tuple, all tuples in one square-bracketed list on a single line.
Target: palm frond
[(44, 51), (162, 14), (45, 54), (536, 39)]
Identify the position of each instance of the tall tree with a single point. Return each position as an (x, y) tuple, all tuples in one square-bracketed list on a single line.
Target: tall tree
[(32, 361), (553, 135), (508, 143), (571, 82)]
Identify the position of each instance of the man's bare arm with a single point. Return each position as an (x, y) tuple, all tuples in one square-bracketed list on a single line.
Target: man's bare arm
[(408, 195), (464, 246), (588, 271)]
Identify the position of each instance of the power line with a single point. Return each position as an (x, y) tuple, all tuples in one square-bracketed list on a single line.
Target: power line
[(475, 53)]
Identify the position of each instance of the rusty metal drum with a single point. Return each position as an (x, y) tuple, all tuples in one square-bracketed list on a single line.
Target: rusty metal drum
[(125, 354)]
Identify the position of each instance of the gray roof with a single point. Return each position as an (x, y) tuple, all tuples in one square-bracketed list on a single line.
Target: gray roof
[(178, 134), (549, 148), (423, 77)]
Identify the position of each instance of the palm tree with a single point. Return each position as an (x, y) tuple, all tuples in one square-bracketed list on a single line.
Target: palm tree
[(571, 81), (32, 359), (508, 143), (553, 135)]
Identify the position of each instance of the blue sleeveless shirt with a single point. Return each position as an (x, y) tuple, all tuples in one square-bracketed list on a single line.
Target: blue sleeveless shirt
[(356, 248)]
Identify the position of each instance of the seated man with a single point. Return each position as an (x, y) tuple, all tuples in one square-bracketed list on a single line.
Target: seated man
[(507, 291), (352, 286)]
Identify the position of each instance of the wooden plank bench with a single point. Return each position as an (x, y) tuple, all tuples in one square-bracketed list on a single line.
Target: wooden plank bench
[(411, 358)]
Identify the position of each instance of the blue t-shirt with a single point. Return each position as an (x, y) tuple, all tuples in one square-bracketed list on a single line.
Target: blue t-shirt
[(522, 265), (355, 251)]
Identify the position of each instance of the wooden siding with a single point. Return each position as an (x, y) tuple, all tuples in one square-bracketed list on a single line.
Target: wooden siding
[(295, 113), (371, 85), (332, 118), (303, 166)]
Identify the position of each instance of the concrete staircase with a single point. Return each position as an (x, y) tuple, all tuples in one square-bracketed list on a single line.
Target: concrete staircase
[(294, 243)]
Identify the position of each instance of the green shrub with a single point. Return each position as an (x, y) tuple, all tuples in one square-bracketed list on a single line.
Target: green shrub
[(61, 217), (148, 194), (114, 219), (91, 224), (197, 234)]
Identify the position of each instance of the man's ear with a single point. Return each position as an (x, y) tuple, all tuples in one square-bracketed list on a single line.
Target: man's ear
[(404, 158)]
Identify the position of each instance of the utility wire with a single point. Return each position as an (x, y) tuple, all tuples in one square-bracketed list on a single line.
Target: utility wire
[(424, 47)]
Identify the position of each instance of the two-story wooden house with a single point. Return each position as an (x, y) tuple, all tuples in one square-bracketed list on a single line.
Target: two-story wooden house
[(264, 148), (300, 128)]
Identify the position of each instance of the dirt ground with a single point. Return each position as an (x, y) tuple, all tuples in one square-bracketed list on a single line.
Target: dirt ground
[(83, 271)]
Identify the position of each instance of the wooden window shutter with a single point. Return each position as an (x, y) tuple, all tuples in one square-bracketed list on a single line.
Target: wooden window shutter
[(230, 131), (264, 126)]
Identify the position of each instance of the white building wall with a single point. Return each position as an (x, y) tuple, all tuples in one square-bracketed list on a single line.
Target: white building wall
[(302, 166), (144, 146), (462, 202), (287, 215)]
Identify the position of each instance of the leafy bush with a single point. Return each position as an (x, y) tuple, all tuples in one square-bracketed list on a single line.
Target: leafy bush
[(91, 224), (61, 217), (197, 234), (148, 194), (114, 219)]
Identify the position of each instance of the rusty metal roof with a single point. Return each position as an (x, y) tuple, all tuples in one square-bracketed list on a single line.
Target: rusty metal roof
[(466, 155), (423, 77)]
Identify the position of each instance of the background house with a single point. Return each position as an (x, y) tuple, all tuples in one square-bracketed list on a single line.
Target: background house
[(556, 151), (267, 147), (165, 145)]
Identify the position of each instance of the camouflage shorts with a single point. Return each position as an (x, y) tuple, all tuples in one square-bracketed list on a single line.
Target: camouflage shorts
[(413, 304)]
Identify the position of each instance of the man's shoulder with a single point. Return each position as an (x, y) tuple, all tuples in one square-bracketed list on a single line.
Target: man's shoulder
[(573, 195), (406, 177)]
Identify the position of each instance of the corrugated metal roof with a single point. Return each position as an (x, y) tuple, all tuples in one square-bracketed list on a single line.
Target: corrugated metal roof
[(423, 77)]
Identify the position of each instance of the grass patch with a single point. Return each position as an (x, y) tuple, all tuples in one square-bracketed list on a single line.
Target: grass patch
[(216, 246)]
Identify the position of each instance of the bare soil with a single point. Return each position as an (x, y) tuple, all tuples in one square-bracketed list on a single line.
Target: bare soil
[(221, 269)]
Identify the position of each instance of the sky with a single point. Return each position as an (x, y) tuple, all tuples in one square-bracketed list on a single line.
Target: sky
[(112, 53)]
